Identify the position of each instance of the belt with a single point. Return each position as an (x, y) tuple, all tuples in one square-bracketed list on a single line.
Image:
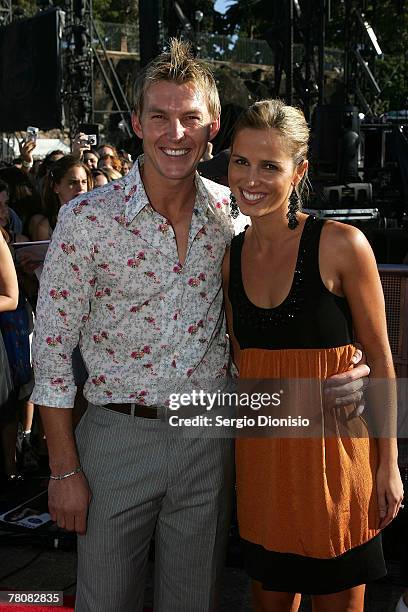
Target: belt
[(137, 410)]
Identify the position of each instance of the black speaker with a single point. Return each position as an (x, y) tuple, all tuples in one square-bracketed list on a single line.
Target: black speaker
[(30, 73), (336, 131)]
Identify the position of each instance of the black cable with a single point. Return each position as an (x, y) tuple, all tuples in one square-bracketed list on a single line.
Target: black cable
[(19, 569)]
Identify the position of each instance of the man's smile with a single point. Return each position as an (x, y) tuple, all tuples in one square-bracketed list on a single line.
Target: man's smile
[(174, 152)]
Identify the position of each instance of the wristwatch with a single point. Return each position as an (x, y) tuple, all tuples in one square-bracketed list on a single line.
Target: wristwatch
[(26, 164)]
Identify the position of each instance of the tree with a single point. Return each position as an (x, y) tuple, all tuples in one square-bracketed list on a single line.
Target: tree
[(264, 19)]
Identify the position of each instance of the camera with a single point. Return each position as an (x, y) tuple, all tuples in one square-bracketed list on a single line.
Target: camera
[(90, 132), (89, 139), (32, 133)]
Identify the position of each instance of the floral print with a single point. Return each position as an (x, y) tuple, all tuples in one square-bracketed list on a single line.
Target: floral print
[(113, 282)]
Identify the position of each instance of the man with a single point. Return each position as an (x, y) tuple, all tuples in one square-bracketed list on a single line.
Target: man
[(133, 271)]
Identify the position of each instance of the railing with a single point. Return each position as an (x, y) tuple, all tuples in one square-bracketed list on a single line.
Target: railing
[(234, 49), (119, 36)]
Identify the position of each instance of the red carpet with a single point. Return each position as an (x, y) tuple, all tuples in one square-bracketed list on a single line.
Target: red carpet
[(67, 607)]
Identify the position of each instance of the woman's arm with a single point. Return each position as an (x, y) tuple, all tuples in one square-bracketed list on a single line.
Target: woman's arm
[(39, 228), (8, 278), (351, 270), (235, 350)]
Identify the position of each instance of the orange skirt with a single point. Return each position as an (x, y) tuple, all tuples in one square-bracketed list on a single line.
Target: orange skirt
[(315, 496)]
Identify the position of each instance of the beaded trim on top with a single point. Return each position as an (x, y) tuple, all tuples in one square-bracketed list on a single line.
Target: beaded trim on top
[(246, 311)]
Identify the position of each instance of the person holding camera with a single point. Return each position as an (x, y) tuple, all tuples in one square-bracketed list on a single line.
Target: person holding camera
[(27, 147), (82, 143)]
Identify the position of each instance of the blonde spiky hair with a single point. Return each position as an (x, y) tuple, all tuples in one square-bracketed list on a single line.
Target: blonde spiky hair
[(178, 65)]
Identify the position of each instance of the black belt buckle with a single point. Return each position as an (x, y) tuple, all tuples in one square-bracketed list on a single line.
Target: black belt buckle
[(135, 410)]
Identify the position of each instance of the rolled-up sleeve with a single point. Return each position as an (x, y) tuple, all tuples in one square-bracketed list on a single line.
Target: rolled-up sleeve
[(66, 286)]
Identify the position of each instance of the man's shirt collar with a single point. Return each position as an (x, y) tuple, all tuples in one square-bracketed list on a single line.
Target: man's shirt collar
[(206, 202), (135, 195)]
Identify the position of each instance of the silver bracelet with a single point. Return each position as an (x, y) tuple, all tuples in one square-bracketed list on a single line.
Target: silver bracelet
[(67, 474)]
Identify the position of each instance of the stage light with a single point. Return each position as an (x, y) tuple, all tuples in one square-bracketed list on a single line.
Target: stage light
[(370, 32), (297, 8)]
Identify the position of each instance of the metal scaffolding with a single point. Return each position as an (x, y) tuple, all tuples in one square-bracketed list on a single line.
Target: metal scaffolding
[(85, 49), (6, 12), (77, 63)]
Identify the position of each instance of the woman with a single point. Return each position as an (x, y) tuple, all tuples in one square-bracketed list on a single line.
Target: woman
[(109, 161), (8, 278), (100, 178), (23, 199), (111, 173), (8, 302), (91, 159), (16, 327), (67, 179), (309, 510)]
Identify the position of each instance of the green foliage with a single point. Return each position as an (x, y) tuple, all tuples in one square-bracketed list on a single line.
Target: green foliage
[(265, 18), (259, 18), (116, 11), (252, 18), (24, 8)]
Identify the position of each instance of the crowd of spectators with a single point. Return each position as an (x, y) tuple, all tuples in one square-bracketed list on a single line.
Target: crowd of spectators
[(32, 191)]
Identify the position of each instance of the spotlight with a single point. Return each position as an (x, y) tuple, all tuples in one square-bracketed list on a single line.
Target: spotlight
[(297, 8), (370, 32), (199, 15)]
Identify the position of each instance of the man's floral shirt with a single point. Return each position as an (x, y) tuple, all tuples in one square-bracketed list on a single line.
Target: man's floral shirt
[(112, 282)]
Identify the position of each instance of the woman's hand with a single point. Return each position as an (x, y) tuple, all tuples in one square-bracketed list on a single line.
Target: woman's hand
[(390, 493), (80, 144), (26, 152)]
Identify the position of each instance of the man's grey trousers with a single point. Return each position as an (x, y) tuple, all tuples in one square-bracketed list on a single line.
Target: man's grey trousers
[(149, 478)]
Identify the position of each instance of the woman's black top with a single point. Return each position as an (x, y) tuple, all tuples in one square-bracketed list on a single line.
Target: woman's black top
[(310, 316)]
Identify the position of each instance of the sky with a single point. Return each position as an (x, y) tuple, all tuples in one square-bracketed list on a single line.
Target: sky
[(222, 5)]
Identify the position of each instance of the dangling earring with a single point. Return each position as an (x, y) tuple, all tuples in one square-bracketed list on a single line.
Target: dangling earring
[(233, 206), (293, 209)]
